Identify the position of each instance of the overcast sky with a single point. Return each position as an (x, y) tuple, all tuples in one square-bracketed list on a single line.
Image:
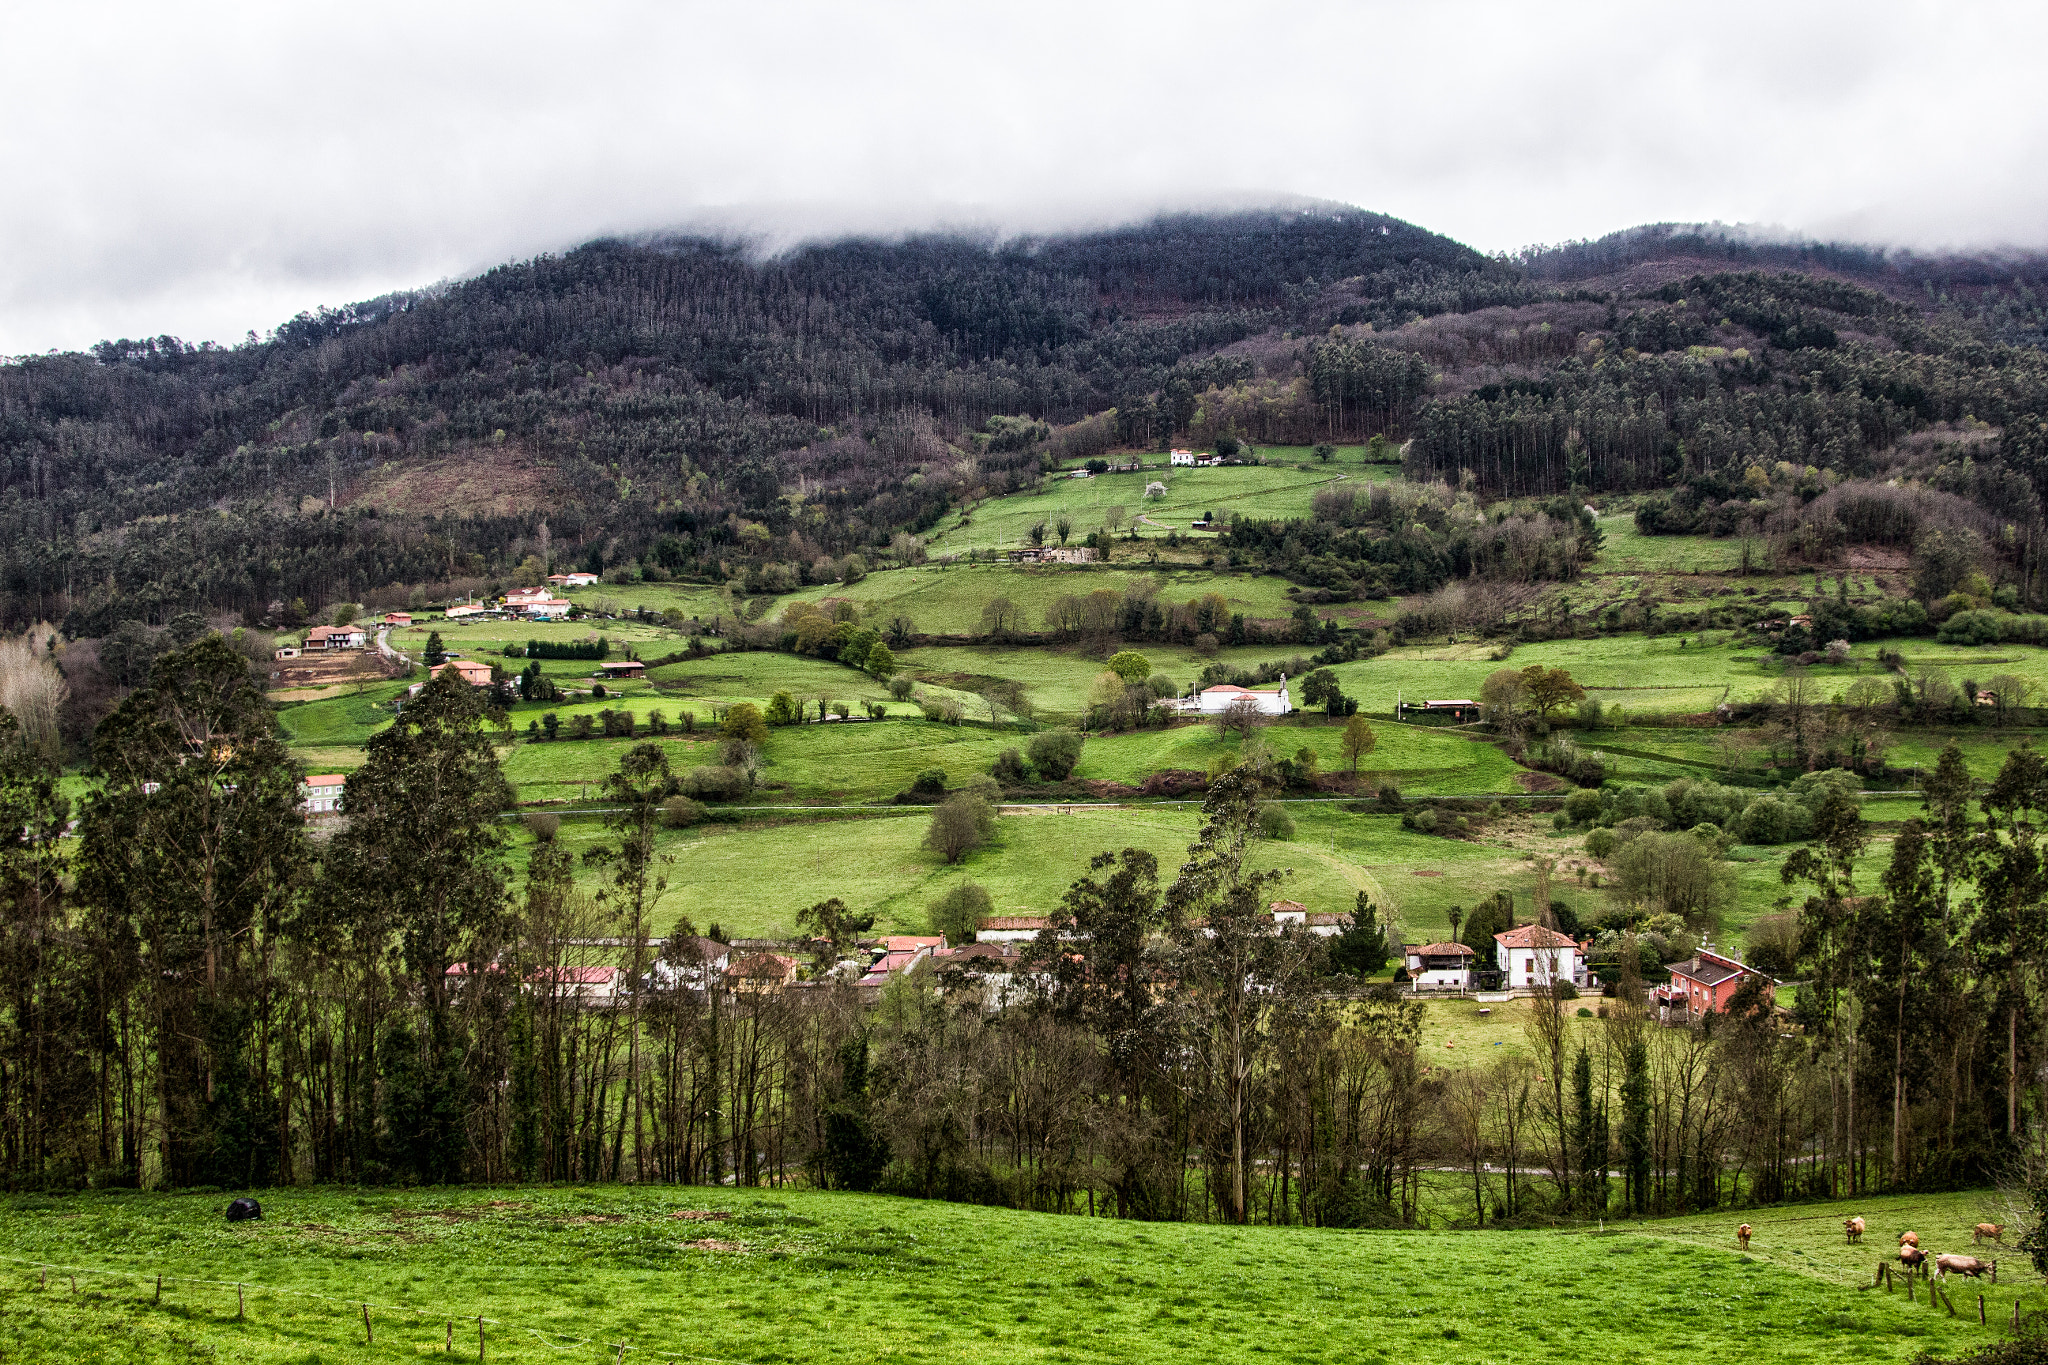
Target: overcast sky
[(205, 170)]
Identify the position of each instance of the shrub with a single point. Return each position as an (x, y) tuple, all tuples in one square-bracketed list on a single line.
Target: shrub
[(782, 710), (930, 782), (958, 913), (960, 824), (1600, 843), (542, 826), (900, 687), (1055, 753), (1009, 767), (598, 690), (715, 782), (680, 812), (1425, 821), (1582, 807), (1275, 822), (744, 721)]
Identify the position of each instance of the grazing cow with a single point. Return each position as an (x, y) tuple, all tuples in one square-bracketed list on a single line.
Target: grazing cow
[(1742, 1236), (1853, 1228), (1909, 1239), (1913, 1258), (1948, 1264), (1995, 1231)]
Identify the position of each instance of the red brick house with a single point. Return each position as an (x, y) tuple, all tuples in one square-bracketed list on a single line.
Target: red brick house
[(1703, 984)]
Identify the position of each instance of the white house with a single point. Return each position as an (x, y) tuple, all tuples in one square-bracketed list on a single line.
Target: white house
[(1535, 956), (1181, 457), (572, 580), (546, 608), (462, 609), (1270, 701), (517, 599), (1321, 923), (320, 794), (1441, 964), (1009, 928)]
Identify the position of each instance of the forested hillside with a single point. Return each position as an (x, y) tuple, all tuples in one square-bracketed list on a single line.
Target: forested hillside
[(680, 408)]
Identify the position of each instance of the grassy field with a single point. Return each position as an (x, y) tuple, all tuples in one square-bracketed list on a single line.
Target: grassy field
[(600, 1274)]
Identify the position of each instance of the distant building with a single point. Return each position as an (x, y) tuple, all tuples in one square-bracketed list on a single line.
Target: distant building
[(1455, 708), (397, 618), (572, 580), (1180, 457), (320, 794), (1214, 701), (1441, 964), (1703, 984), (287, 652), (1010, 928), (591, 985), (1531, 955), (761, 972), (622, 668), (462, 609), (336, 637), (469, 670), (546, 608)]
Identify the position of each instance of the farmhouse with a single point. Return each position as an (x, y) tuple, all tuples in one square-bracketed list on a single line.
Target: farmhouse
[(591, 985), (1054, 554), (1441, 964), (1458, 709), (336, 637), (547, 608), (1010, 928), (1702, 984), (761, 972), (320, 794), (1321, 923), (572, 580), (462, 609), (1535, 956), (397, 618), (288, 652), (621, 668), (1214, 701), (469, 670), (517, 598), (1180, 457)]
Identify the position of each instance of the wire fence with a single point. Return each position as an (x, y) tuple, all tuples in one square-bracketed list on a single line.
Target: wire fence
[(556, 1341)]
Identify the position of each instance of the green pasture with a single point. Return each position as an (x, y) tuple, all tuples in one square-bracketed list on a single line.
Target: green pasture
[(947, 599), (601, 1273), (1622, 550)]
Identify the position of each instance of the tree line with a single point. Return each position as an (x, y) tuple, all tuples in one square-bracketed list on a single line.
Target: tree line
[(199, 993)]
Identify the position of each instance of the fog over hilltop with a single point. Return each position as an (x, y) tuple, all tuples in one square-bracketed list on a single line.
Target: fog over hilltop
[(208, 171)]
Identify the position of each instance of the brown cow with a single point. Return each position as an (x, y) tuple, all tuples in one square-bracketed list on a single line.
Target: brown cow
[(1995, 1231), (1913, 1258), (1742, 1236), (1853, 1228), (1948, 1264), (1909, 1239)]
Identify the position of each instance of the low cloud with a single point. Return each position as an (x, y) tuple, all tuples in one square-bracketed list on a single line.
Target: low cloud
[(205, 172)]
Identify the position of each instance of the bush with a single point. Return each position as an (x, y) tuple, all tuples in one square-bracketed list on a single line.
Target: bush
[(962, 823), (1009, 768), (543, 827), (1600, 843), (1275, 822), (959, 912), (930, 782), (1424, 820), (900, 687), (1055, 753), (744, 722), (680, 812), (715, 782), (1582, 807)]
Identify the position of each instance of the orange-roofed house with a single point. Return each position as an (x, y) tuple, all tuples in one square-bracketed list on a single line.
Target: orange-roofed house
[(1009, 928), (761, 972), (320, 794), (1441, 964), (1531, 955)]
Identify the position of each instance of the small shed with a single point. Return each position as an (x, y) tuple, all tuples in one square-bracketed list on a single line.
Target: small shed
[(622, 668)]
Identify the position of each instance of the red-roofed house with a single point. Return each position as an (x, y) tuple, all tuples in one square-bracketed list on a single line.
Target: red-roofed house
[(761, 972), (320, 794), (1441, 964), (336, 637), (596, 985), (1704, 983), (914, 943), (1532, 955), (1270, 701), (888, 964)]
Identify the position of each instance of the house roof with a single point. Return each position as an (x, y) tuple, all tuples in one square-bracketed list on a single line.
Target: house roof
[(1328, 917), (329, 632), (1451, 701), (899, 943), (979, 951), (1533, 936), (1442, 950), (763, 965), (1233, 688), (1287, 908), (577, 976), (1014, 922), (1708, 971), (622, 665), (326, 780)]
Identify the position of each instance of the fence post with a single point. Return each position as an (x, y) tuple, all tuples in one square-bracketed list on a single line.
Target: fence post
[(159, 1288), (449, 1344), (1980, 1311), (74, 1283), (479, 1338), (239, 1305), (369, 1337)]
